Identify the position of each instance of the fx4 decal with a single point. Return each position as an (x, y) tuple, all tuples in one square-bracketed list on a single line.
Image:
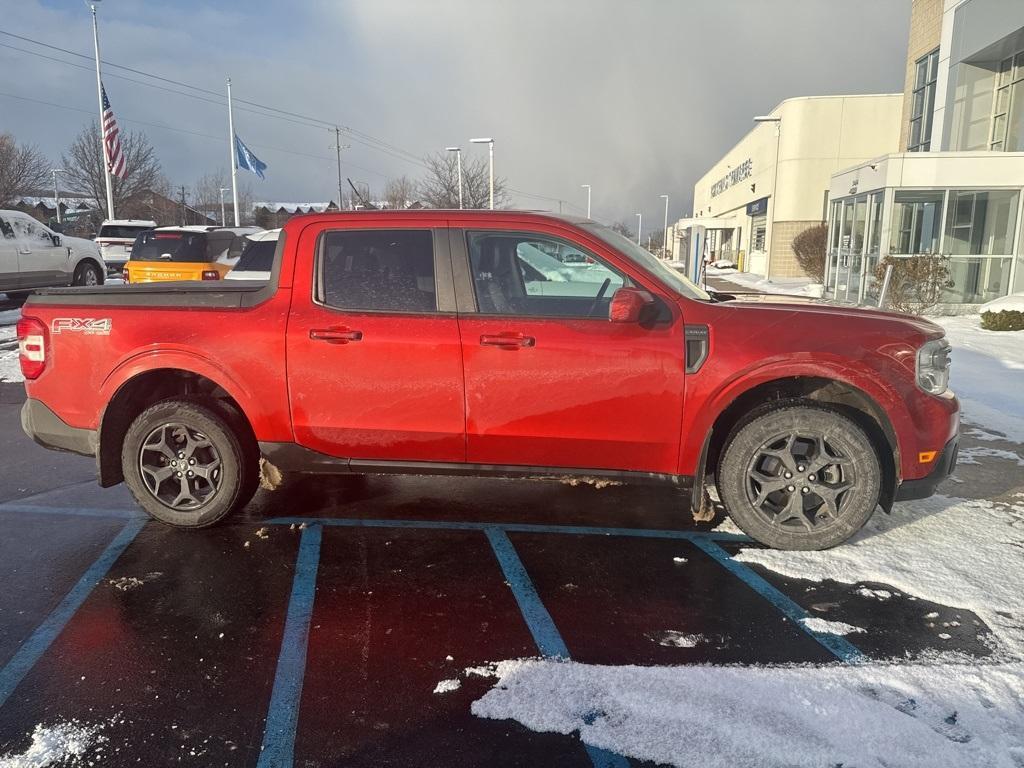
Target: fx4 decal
[(88, 325)]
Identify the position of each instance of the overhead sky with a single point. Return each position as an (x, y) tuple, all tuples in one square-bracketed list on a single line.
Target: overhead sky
[(636, 97)]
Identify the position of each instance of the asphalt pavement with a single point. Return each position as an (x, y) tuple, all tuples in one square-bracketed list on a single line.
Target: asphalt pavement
[(313, 628)]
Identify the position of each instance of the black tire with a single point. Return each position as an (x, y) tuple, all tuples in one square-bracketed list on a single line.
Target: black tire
[(87, 273), (176, 437), (781, 450)]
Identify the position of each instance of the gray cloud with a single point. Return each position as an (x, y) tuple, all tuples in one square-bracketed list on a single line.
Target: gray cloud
[(636, 98)]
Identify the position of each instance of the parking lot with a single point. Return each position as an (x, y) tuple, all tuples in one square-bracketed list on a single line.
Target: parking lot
[(340, 620)]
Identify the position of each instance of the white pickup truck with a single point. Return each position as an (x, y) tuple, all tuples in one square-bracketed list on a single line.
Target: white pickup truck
[(34, 256)]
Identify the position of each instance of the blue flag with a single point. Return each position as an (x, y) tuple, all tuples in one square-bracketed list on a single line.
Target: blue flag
[(247, 159)]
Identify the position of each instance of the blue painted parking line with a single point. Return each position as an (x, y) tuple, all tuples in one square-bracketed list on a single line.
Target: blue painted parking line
[(38, 509), (278, 749), (545, 634), (839, 646), (39, 641)]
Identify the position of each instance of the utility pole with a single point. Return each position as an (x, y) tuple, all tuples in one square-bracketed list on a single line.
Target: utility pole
[(184, 217), (56, 192), (234, 155), (664, 232), (338, 146)]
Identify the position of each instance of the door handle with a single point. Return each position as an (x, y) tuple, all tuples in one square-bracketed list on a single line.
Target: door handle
[(335, 335), (507, 340)]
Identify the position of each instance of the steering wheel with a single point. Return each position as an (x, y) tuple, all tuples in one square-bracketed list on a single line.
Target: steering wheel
[(600, 295)]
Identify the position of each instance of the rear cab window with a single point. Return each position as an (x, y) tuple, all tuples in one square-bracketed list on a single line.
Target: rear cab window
[(257, 256), (377, 270)]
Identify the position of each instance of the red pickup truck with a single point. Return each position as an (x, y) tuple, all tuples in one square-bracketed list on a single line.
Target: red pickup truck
[(480, 342)]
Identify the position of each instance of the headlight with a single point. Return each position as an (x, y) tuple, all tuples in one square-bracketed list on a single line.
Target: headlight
[(933, 366)]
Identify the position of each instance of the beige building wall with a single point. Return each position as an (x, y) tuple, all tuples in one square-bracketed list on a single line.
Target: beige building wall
[(925, 34), (817, 137)]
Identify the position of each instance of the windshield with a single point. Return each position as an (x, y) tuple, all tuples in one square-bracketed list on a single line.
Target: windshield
[(257, 256), (648, 261), (170, 246)]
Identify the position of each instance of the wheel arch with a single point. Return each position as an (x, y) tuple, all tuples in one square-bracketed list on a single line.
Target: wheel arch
[(144, 388), (849, 399), (94, 261)]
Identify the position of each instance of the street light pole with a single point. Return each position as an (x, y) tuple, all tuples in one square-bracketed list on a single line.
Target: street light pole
[(587, 187), (775, 184), (338, 146), (458, 158), (664, 232), (639, 226), (56, 192), (490, 146), (99, 95), (223, 219)]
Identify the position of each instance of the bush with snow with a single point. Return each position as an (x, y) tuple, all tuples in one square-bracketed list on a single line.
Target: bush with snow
[(1005, 314)]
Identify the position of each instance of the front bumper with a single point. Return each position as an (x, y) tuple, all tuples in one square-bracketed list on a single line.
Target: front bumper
[(925, 486), (50, 431)]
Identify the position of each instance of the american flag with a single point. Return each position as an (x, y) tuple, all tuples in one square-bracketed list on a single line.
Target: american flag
[(111, 140)]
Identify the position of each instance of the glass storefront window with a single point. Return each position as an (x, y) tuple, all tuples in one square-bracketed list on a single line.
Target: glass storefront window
[(916, 222), (977, 280), (980, 223)]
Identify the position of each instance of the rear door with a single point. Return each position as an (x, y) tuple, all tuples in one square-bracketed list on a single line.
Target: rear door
[(40, 261), (550, 382), (374, 357)]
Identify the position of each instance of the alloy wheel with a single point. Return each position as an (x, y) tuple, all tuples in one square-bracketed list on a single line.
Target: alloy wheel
[(180, 466)]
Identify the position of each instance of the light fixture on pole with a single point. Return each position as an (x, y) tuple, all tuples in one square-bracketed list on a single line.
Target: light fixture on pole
[(458, 158), (639, 226), (223, 220), (587, 187), (664, 231), (56, 192), (775, 183), (490, 144), (99, 96)]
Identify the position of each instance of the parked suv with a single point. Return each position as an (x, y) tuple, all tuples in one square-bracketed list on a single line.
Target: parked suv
[(115, 240), (411, 341), (183, 253), (34, 256)]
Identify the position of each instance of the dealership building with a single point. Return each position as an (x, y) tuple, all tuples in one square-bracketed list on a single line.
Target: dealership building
[(774, 183), (955, 187)]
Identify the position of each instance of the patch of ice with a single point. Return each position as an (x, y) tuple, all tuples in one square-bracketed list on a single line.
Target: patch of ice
[(63, 743), (829, 627), (675, 639), (679, 560), (728, 526), (447, 686), (912, 716), (955, 552), (880, 594), (972, 454)]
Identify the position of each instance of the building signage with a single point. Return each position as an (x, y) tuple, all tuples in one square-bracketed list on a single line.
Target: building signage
[(742, 171), (758, 207)]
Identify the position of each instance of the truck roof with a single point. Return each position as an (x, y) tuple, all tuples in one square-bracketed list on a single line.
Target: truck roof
[(484, 214)]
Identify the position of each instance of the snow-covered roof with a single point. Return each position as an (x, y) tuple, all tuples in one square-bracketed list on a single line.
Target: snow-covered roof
[(49, 202), (294, 207)]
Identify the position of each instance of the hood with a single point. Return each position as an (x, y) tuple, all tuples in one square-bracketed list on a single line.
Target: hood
[(79, 244)]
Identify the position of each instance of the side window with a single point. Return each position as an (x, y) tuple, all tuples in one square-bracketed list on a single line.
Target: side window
[(387, 270), (6, 229), (539, 276)]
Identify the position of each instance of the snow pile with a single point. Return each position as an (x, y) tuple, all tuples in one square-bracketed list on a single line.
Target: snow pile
[(1012, 303), (911, 716), (959, 553), (829, 627), (987, 374), (788, 286), (447, 686), (63, 744)]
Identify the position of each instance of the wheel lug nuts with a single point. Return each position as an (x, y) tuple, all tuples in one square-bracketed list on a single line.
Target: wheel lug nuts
[(789, 475), (811, 478), (805, 490), (800, 469), (789, 488), (193, 461), (178, 474), (190, 473), (181, 455)]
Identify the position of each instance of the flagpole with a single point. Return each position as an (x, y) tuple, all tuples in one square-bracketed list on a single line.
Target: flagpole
[(99, 96), (234, 156)]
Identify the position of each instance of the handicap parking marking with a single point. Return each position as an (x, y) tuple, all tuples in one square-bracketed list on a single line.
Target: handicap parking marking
[(37, 644)]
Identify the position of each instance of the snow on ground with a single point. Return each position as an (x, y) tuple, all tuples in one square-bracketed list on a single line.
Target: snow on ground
[(10, 370), (1012, 303), (790, 286), (815, 624), (60, 744), (987, 374), (911, 716)]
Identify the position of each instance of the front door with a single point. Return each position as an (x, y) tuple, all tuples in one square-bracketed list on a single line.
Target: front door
[(550, 382), (374, 359), (9, 246), (41, 263)]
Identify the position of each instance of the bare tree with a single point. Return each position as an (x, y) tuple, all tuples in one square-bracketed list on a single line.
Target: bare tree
[(623, 229), (440, 189), (84, 163), (399, 193), (206, 194), (23, 169)]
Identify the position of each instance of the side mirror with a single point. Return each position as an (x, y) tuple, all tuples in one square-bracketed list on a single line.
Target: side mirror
[(56, 240), (628, 305)]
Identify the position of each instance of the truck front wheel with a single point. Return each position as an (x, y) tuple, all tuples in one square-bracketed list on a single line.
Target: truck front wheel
[(186, 465), (799, 477)]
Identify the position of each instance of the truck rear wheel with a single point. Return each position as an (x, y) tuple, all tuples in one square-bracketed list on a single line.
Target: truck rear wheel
[(187, 464), (799, 477)]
